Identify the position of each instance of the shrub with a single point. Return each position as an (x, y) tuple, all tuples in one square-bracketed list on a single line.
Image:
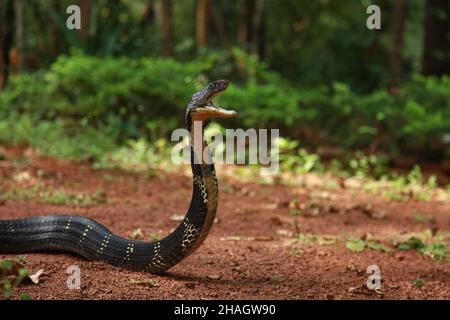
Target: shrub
[(107, 101)]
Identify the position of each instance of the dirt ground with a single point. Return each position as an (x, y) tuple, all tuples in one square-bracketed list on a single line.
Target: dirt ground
[(250, 252)]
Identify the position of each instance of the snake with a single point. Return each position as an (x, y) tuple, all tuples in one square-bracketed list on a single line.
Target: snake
[(87, 238)]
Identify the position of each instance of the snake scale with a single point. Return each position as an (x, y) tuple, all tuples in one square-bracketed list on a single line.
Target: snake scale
[(89, 239)]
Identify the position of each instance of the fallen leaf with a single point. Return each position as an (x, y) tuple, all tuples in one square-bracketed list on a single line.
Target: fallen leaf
[(35, 277), (264, 238), (278, 277), (23, 176), (354, 289), (146, 282), (325, 241), (285, 233)]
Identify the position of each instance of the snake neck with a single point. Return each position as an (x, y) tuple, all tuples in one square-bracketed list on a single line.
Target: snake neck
[(202, 210), (204, 201)]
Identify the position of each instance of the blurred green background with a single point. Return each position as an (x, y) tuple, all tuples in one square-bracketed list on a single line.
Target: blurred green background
[(338, 91)]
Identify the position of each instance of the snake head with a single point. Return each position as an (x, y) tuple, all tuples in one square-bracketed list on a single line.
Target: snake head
[(201, 106)]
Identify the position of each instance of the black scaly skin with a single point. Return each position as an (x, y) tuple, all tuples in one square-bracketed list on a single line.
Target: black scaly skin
[(93, 241)]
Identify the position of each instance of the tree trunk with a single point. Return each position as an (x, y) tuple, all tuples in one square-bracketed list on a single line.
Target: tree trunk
[(18, 8), (243, 35), (436, 59), (203, 15), (166, 28), (85, 8), (148, 14), (219, 24), (6, 38), (257, 27), (396, 47)]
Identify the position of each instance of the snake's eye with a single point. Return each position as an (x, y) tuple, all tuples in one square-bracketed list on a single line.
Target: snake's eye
[(212, 86)]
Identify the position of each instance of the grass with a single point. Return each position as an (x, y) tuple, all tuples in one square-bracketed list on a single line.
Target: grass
[(40, 193), (359, 171), (425, 242), (419, 217)]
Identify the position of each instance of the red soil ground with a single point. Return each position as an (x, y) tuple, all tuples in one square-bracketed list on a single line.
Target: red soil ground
[(249, 253)]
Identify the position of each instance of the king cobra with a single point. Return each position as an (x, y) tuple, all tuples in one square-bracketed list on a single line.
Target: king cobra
[(93, 241)]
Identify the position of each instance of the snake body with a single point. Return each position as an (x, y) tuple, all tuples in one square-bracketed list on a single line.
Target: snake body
[(87, 238)]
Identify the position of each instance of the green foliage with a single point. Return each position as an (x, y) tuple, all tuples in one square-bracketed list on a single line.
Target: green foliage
[(437, 251), (94, 104), (358, 245), (120, 94), (63, 138), (411, 244), (136, 155), (54, 196)]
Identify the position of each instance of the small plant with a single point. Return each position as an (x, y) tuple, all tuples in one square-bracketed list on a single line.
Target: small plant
[(358, 245), (154, 237), (44, 194), (437, 251), (11, 275), (137, 234), (419, 283), (296, 252), (419, 217)]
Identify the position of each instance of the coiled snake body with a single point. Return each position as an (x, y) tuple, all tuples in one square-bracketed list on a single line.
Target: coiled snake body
[(93, 241)]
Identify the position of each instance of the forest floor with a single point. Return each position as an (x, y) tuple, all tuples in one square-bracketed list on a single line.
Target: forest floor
[(259, 248)]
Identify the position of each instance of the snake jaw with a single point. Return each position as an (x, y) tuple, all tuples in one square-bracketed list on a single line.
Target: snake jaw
[(210, 111)]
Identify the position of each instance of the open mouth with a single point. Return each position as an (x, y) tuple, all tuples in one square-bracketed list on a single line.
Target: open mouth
[(215, 112)]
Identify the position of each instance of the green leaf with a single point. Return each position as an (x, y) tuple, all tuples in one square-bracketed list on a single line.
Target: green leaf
[(23, 273), (355, 246), (403, 246), (25, 296), (418, 283), (437, 251), (295, 212), (378, 246), (412, 243), (6, 265)]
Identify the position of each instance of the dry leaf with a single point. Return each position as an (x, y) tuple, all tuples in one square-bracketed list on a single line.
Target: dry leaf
[(278, 277), (145, 282), (35, 277)]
